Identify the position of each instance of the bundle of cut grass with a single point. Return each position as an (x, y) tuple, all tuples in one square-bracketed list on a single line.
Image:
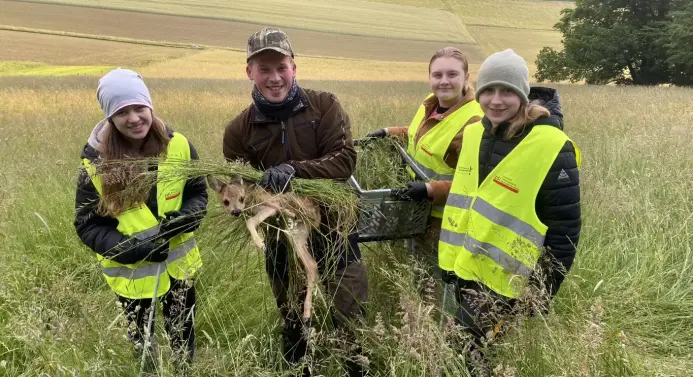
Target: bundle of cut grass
[(337, 199), (380, 165)]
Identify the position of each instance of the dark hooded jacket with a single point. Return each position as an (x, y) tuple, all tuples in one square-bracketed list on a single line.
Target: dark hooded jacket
[(558, 201)]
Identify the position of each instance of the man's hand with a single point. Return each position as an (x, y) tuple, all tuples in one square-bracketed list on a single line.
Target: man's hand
[(378, 133), (449, 277), (415, 191), (278, 179)]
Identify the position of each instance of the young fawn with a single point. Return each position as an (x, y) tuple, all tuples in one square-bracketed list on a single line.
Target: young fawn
[(302, 215)]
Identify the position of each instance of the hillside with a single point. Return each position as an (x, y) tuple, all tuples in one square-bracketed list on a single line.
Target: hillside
[(385, 30)]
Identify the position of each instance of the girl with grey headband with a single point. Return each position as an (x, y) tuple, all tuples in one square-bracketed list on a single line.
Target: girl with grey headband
[(143, 241)]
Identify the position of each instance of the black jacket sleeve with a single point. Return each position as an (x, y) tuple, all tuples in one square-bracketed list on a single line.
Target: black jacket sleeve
[(99, 233), (558, 206), (195, 195)]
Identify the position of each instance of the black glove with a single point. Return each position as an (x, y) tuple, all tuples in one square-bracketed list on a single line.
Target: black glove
[(134, 251), (415, 191), (278, 179), (177, 222), (378, 133), (449, 277)]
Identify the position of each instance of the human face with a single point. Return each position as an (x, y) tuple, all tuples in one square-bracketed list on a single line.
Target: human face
[(447, 80), (133, 122), (499, 104), (272, 73)]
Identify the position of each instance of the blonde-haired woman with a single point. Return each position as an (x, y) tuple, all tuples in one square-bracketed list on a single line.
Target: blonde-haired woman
[(512, 217), (144, 240), (435, 137)]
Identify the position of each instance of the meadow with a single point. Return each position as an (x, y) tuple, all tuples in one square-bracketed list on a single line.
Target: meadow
[(624, 310)]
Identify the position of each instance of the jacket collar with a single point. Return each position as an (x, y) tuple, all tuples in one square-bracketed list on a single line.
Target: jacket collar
[(431, 102), (258, 117)]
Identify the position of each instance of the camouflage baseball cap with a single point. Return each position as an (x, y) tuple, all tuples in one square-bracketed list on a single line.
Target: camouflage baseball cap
[(269, 39)]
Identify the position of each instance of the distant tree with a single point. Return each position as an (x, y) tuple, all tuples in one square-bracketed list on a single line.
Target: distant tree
[(679, 41), (618, 41)]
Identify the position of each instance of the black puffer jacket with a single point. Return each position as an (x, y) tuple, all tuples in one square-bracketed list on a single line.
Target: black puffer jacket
[(100, 233), (558, 201), (547, 97)]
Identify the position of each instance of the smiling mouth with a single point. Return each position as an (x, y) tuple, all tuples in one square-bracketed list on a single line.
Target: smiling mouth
[(275, 88)]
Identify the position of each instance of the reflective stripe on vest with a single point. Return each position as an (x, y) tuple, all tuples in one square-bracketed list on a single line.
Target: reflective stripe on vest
[(147, 233), (491, 233), (428, 153), (138, 280), (150, 269), (140, 272)]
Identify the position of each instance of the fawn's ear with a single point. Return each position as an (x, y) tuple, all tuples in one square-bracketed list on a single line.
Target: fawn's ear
[(214, 183), (236, 180)]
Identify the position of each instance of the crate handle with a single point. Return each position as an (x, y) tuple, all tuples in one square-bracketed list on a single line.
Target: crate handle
[(412, 164)]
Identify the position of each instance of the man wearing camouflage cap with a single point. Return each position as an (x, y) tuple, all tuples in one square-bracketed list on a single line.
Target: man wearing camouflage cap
[(288, 132)]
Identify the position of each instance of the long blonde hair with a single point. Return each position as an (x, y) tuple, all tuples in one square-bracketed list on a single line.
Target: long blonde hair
[(453, 52), (526, 114), (122, 183)]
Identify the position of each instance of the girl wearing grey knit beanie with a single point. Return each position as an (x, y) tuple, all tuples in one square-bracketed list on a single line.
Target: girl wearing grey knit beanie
[(513, 218), (141, 232), (503, 92)]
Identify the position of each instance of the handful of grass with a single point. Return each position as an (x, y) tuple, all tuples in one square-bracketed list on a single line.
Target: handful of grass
[(379, 165)]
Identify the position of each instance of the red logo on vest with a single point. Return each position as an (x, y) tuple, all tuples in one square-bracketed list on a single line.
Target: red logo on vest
[(171, 197), (506, 183), (426, 151)]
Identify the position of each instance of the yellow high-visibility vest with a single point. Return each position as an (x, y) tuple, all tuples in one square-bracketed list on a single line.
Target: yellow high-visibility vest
[(490, 231), (137, 280), (429, 152)]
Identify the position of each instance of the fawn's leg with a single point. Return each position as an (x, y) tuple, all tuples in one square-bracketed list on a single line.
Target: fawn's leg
[(263, 213), (300, 235)]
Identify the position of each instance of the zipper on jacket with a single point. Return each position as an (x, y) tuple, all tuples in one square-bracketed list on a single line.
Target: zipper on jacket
[(285, 144)]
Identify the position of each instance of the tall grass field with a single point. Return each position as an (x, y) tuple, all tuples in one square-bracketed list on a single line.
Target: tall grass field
[(626, 308)]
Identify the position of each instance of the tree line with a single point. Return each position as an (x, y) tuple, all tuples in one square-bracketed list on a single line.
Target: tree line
[(640, 42)]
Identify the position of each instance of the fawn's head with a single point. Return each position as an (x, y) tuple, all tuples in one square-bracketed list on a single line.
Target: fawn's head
[(232, 194)]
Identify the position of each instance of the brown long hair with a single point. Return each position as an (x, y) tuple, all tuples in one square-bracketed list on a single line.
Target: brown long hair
[(526, 114), (124, 184), (452, 52)]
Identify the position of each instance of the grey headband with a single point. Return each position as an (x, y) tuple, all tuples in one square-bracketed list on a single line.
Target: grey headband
[(120, 88)]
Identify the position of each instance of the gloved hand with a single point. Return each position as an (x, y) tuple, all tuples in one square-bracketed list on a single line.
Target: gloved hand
[(378, 133), (134, 251), (278, 178), (177, 222), (415, 191), (449, 277)]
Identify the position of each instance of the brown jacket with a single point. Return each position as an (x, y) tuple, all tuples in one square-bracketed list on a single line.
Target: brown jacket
[(315, 139), (440, 189)]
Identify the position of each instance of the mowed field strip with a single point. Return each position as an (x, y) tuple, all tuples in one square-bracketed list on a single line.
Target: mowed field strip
[(56, 49), (525, 42), (29, 53), (221, 64), (521, 14), (334, 16), (190, 30)]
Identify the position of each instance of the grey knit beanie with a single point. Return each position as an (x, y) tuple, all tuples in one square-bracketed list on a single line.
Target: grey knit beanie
[(504, 68), (120, 88)]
